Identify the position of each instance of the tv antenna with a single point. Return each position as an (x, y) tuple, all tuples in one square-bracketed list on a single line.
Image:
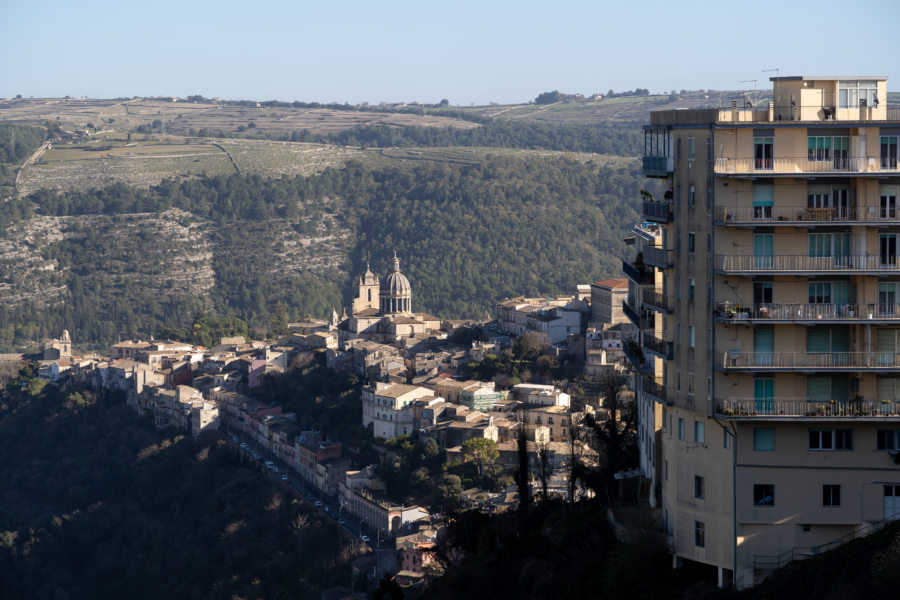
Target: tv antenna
[(752, 104)]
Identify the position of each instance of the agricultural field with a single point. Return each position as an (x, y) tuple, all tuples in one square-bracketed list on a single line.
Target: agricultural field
[(182, 117)]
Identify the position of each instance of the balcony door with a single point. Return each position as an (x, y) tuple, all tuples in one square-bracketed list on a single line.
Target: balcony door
[(887, 345), (830, 346), (889, 152), (764, 394), (887, 299), (887, 250), (762, 153), (824, 389), (762, 299), (763, 346), (888, 201), (763, 250), (833, 296), (835, 246)]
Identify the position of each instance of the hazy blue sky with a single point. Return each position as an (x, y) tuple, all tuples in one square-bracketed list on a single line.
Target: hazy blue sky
[(467, 52)]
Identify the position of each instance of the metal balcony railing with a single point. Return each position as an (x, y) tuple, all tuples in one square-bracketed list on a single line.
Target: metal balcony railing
[(659, 347), (658, 257), (805, 407), (641, 318), (827, 361), (641, 276), (655, 300), (788, 215), (653, 386), (728, 263), (657, 211), (658, 164), (804, 164), (728, 312)]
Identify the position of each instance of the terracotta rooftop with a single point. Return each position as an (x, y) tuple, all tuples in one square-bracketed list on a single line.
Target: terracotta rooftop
[(612, 284)]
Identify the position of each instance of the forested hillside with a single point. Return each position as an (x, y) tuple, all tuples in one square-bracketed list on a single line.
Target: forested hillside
[(98, 504), (122, 261)]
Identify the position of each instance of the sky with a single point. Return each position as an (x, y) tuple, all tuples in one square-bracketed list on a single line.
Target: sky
[(468, 52)]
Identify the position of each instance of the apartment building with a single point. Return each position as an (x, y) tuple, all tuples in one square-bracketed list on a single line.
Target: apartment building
[(766, 286)]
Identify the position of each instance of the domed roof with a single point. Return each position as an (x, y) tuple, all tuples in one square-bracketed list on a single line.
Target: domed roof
[(396, 283)]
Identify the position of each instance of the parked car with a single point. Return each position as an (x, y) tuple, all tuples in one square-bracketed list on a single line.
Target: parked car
[(364, 538)]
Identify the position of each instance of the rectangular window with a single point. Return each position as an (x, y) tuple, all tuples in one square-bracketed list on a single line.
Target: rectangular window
[(699, 534), (691, 289), (680, 428), (763, 438), (691, 148), (889, 152), (762, 153), (763, 494), (888, 439), (726, 439), (854, 94), (763, 200), (691, 241), (692, 196), (831, 439), (700, 432), (691, 337), (831, 495), (698, 486)]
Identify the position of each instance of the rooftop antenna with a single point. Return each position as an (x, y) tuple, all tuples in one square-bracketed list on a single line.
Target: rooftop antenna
[(754, 90), (777, 74)]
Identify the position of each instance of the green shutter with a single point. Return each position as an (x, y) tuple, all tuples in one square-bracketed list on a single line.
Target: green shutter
[(817, 340), (886, 340), (887, 388), (763, 195), (818, 388), (840, 339)]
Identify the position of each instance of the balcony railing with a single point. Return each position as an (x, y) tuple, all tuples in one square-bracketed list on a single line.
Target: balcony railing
[(727, 263), (826, 361), (653, 386), (659, 347), (640, 275), (658, 257), (636, 357), (728, 312), (658, 164), (635, 316), (791, 215), (803, 164), (805, 407), (656, 301), (661, 212)]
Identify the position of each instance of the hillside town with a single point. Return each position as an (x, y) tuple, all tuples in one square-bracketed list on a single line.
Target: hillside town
[(415, 385)]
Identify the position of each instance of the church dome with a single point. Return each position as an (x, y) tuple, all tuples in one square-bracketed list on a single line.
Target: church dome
[(396, 292)]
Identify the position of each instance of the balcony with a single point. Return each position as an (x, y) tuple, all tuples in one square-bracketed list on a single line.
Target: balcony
[(658, 257), (726, 312), (653, 387), (658, 347), (806, 265), (657, 301), (660, 212), (638, 274), (641, 322), (800, 216), (754, 362), (803, 164), (736, 408), (635, 356), (658, 166)]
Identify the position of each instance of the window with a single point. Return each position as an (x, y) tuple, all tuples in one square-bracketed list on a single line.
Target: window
[(888, 201), (762, 153), (691, 148), (691, 337), (692, 196), (763, 200), (830, 245), (698, 486), (828, 148), (680, 428), (691, 241), (763, 438), (831, 439), (691, 289), (699, 534), (888, 439), (763, 494), (853, 94), (889, 152), (700, 432), (831, 495), (726, 439)]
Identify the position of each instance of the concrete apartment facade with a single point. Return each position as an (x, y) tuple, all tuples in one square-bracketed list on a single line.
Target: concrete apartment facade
[(767, 293)]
